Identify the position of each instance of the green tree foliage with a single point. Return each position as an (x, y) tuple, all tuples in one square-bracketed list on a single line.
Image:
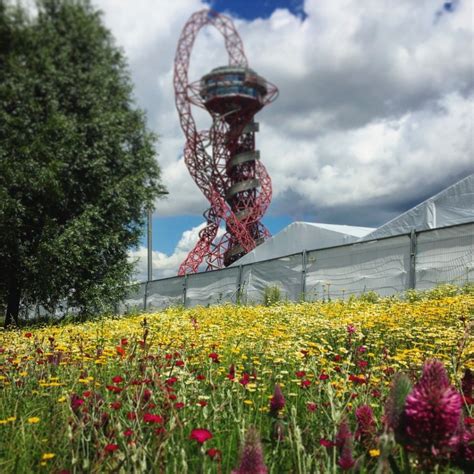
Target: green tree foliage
[(77, 163)]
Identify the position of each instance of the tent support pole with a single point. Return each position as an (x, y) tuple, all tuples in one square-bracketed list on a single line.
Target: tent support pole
[(412, 270), (304, 260)]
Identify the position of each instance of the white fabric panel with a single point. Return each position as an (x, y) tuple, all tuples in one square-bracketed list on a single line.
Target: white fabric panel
[(380, 266), (445, 256), (210, 288), (300, 236), (285, 273), (454, 205), (134, 300), (165, 293)]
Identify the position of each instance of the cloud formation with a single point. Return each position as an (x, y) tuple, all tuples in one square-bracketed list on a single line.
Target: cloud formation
[(375, 105)]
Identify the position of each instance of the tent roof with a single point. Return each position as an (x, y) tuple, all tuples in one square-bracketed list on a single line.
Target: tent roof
[(453, 205), (299, 236)]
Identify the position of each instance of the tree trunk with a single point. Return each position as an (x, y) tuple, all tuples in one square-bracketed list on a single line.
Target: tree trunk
[(13, 304)]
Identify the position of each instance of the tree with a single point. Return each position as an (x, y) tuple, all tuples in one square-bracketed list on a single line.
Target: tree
[(77, 163)]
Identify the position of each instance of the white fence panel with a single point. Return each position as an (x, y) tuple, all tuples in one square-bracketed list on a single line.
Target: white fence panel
[(445, 256), (217, 287), (162, 294), (284, 273), (380, 266)]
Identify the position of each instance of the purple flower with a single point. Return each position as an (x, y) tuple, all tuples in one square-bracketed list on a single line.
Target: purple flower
[(394, 407), (432, 412), (365, 424), (467, 383), (277, 402), (344, 443), (251, 456)]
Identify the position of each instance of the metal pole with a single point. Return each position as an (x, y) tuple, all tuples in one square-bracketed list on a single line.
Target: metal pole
[(303, 274), (149, 244), (412, 270), (185, 288)]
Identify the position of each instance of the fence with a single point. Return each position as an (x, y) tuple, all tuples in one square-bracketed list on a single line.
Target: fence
[(387, 266)]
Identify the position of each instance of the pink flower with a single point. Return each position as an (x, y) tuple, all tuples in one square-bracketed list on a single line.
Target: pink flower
[(311, 406), (277, 402), (432, 412), (201, 435), (251, 455)]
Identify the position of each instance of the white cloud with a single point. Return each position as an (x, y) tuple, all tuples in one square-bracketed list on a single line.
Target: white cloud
[(375, 98), (166, 265)]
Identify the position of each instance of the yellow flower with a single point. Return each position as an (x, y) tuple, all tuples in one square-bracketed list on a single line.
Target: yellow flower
[(374, 453), (34, 419), (47, 456), (248, 402), (61, 399)]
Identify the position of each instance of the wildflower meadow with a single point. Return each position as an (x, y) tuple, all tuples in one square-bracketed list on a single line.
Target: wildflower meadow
[(365, 385)]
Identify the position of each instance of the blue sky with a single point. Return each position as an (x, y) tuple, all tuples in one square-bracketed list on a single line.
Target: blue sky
[(251, 9)]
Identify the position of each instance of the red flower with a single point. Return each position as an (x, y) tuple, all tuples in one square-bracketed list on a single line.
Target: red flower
[(203, 403), (131, 416), (86, 394), (28, 334), (214, 356), (120, 350), (128, 432), (323, 376), (300, 374), (168, 356), (179, 363), (117, 379), (214, 453), (123, 341), (200, 377), (116, 405), (231, 374), (114, 389), (326, 443), (305, 383), (362, 364), (337, 358), (351, 329), (201, 435), (110, 448), (171, 381), (245, 379), (151, 418), (179, 405), (311, 406), (356, 379)]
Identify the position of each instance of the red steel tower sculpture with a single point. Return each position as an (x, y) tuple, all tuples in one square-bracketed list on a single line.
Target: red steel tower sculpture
[(222, 160)]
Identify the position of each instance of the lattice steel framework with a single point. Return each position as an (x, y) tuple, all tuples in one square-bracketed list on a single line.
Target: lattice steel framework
[(231, 177)]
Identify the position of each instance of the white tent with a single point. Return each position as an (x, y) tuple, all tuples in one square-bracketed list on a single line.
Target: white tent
[(300, 236), (453, 205)]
